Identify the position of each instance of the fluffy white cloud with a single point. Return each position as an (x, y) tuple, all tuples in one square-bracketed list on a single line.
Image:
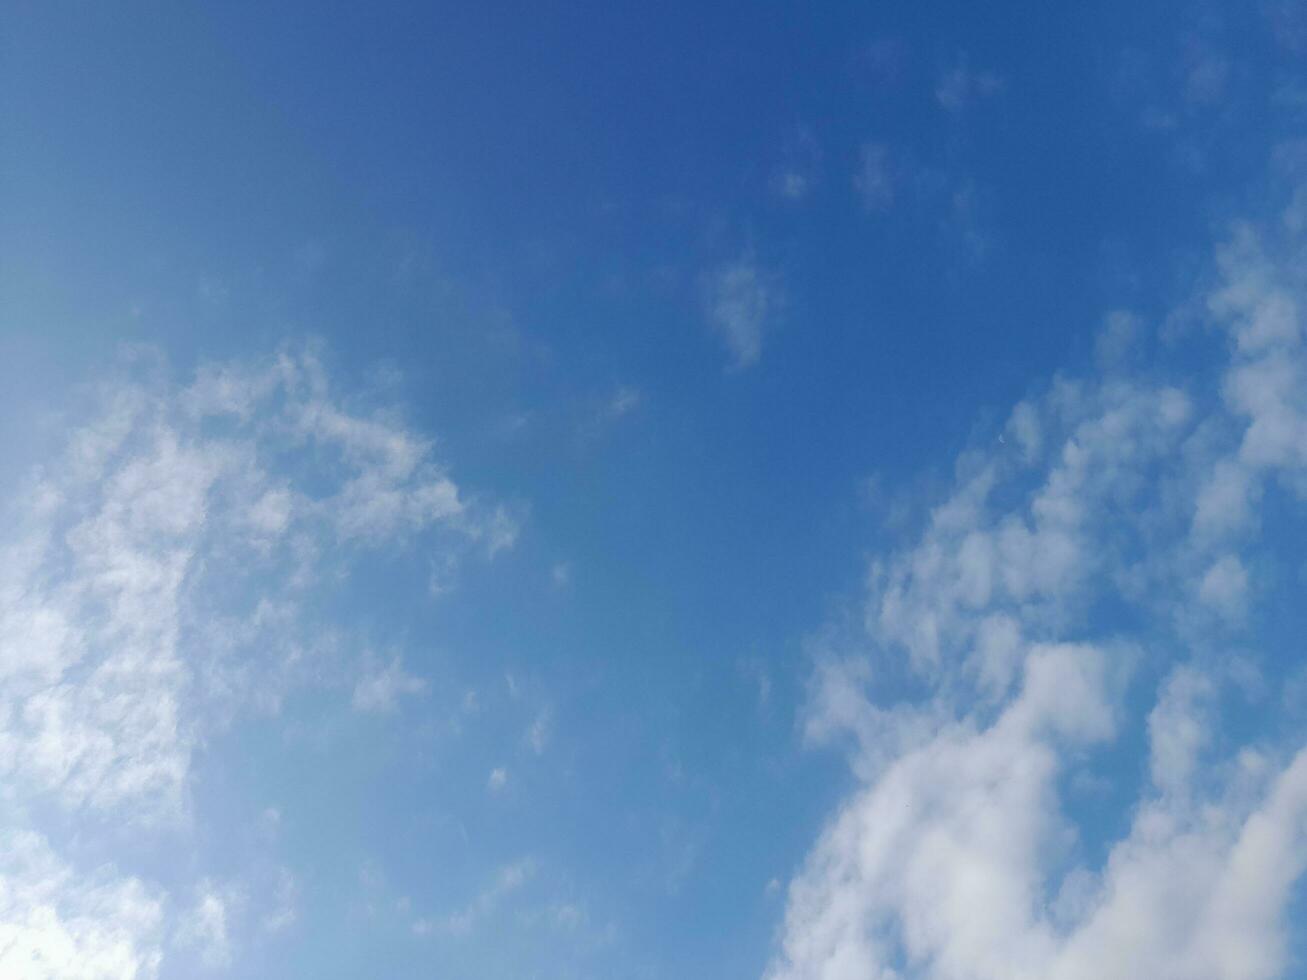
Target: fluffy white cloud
[(964, 853), (57, 925)]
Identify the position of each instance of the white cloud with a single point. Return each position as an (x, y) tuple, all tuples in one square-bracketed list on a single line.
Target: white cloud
[(380, 690), (875, 177), (1119, 336), (1179, 729), (625, 400), (560, 574), (1206, 72), (499, 531), (507, 880), (791, 185), (610, 410), (1224, 586), (284, 910), (153, 532), (568, 915), (151, 586), (497, 780), (537, 735), (1288, 21), (795, 178), (58, 925), (206, 926), (960, 86), (946, 859), (741, 302), (961, 856), (757, 676)]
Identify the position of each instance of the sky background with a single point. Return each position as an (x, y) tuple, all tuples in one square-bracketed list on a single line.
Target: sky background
[(610, 490)]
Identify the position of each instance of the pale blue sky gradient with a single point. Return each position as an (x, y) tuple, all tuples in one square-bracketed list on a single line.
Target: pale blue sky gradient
[(499, 492)]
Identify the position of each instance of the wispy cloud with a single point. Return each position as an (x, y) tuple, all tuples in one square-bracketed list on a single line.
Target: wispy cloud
[(283, 908), (538, 732), (1206, 72), (604, 414), (560, 574), (885, 61), (206, 926), (791, 184), (960, 86), (380, 690), (507, 880), (625, 400), (152, 587), (875, 178), (794, 179), (1288, 21), (741, 303)]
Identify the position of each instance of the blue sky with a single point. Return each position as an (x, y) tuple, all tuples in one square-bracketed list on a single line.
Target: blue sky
[(601, 490)]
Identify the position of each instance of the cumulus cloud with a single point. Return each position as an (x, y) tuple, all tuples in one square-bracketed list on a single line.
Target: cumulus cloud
[(964, 853), (741, 302)]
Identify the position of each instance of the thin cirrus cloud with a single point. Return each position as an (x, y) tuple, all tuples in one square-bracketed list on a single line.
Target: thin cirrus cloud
[(741, 301), (507, 880), (960, 86), (794, 179), (379, 691), (152, 589), (965, 851), (875, 178), (609, 411)]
